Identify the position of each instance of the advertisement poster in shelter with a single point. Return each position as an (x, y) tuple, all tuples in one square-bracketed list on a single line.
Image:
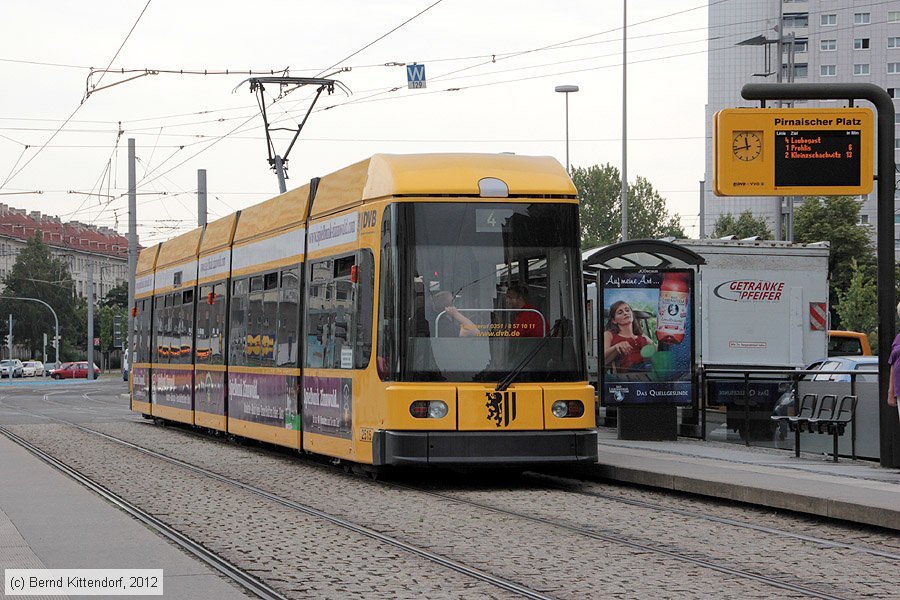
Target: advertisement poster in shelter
[(648, 337)]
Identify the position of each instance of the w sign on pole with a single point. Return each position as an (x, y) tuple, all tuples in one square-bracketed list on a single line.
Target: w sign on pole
[(415, 76)]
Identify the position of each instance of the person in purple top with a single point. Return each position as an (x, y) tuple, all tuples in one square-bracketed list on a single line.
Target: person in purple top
[(894, 361)]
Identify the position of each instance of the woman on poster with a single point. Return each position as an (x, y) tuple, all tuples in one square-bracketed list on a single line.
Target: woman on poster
[(623, 340)]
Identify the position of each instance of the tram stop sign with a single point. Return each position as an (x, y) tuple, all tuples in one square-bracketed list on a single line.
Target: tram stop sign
[(793, 152)]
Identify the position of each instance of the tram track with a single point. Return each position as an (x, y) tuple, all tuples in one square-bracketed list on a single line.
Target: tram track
[(421, 552), (679, 555), (691, 557), (229, 570), (548, 481)]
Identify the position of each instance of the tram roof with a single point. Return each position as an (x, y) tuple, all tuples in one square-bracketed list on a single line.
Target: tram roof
[(218, 234), (285, 211), (386, 175), (146, 261), (179, 249)]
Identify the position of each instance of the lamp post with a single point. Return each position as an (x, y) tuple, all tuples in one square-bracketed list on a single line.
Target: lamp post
[(567, 89)]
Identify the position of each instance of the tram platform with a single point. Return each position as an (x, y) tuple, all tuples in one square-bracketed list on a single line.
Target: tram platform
[(852, 490), (48, 521)]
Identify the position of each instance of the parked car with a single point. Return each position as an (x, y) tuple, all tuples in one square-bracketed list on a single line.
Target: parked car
[(33, 368), (13, 366), (866, 365), (848, 343), (74, 370)]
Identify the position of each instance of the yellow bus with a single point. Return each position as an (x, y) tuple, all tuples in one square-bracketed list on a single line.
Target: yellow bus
[(405, 310)]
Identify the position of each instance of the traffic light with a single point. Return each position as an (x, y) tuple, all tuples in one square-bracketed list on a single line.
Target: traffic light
[(117, 331)]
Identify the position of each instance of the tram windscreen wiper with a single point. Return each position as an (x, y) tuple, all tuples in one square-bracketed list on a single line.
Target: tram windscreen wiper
[(504, 383)]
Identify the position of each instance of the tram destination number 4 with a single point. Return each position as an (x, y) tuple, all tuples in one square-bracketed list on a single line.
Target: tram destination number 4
[(817, 158)]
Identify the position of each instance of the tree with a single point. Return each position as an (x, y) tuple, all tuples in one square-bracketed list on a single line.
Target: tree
[(836, 219), (600, 190), (857, 305), (37, 274), (744, 226), (117, 296)]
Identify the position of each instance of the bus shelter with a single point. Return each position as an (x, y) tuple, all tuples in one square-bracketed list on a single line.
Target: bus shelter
[(642, 334)]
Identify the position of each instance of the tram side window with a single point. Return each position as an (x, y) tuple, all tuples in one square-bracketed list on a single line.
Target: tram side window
[(160, 355), (365, 301), (217, 325), (187, 327), (268, 320), (174, 326), (204, 341), (388, 325), (146, 341), (288, 330), (330, 314), (254, 354), (237, 338)]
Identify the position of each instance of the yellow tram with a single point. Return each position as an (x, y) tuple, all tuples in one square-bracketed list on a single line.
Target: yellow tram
[(408, 309)]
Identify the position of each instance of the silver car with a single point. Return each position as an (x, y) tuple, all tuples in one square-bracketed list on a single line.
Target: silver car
[(11, 367)]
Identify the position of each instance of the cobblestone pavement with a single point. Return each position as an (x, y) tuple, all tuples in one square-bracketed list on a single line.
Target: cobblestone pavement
[(309, 557)]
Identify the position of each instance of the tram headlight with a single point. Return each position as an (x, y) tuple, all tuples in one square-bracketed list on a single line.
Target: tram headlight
[(428, 409), (571, 409), (560, 409), (437, 409)]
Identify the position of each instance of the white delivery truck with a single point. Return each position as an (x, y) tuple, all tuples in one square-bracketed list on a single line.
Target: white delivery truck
[(758, 304)]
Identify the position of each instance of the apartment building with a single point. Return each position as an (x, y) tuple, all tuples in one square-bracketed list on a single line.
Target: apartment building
[(74, 242), (801, 41)]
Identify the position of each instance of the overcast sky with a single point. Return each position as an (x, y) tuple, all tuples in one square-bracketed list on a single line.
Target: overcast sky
[(491, 70)]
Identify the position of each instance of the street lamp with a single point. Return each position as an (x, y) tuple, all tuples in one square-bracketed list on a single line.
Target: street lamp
[(567, 89)]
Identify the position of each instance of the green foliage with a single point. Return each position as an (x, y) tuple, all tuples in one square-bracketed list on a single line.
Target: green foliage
[(744, 226), (37, 274), (106, 316), (117, 296), (836, 219), (600, 190), (857, 305)]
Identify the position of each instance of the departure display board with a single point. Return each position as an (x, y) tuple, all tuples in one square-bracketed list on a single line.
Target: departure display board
[(793, 152), (825, 157)]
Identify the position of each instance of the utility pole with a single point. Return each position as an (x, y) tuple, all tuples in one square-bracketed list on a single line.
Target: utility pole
[(90, 323), (201, 197), (132, 237), (9, 340), (45, 348), (624, 123)]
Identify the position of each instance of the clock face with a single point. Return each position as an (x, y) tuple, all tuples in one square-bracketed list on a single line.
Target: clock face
[(747, 145)]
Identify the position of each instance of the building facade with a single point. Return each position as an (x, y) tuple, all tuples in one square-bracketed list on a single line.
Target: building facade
[(75, 243), (800, 41)]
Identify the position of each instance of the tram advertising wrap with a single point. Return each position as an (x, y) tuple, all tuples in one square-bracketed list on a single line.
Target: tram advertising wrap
[(648, 338)]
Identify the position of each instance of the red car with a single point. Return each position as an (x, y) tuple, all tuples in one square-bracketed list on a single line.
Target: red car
[(73, 370)]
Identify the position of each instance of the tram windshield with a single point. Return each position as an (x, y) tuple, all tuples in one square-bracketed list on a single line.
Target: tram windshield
[(484, 285)]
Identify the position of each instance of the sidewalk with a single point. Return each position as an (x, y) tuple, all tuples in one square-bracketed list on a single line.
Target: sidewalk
[(857, 491), (48, 521)]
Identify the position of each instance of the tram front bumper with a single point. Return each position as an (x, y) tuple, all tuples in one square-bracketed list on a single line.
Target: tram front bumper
[(483, 447)]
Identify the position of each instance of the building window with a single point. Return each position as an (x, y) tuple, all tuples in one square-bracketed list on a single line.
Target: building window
[(894, 68), (863, 219), (892, 92), (796, 19), (800, 45), (893, 16), (861, 18), (828, 70), (861, 44), (894, 42), (801, 70), (861, 69), (828, 45), (828, 20)]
